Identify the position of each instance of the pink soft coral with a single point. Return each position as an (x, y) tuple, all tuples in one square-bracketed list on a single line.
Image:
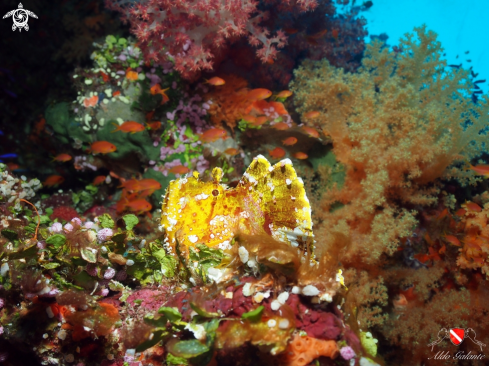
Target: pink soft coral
[(193, 32)]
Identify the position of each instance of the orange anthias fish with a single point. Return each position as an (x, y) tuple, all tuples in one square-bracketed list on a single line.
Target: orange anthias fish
[(471, 206), (129, 126), (216, 81), (311, 114), (149, 186), (212, 135), (132, 185), (139, 205), (452, 240), (102, 147), (289, 141), (311, 131), (99, 179), (260, 121), (179, 169), (116, 93), (481, 170), (231, 151), (131, 75), (53, 180), (281, 126), (279, 108), (284, 94), (277, 153), (461, 212), (258, 94), (300, 155), (62, 158), (90, 102), (156, 89), (154, 125), (249, 118)]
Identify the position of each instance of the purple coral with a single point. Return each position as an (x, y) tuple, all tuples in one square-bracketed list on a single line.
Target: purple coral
[(2, 303), (104, 234)]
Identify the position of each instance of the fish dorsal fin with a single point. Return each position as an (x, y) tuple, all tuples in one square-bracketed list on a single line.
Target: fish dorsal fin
[(285, 211)]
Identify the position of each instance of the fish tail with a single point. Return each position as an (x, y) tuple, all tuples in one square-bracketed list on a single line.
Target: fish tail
[(117, 127)]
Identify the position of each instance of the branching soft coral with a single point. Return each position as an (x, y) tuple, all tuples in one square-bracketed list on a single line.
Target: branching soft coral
[(397, 125), (194, 32)]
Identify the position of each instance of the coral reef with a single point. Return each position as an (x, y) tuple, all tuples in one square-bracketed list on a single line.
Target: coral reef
[(386, 129)]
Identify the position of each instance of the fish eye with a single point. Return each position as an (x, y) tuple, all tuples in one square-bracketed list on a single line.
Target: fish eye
[(215, 193)]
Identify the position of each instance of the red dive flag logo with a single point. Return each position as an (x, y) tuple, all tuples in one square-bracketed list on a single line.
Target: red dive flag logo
[(457, 335)]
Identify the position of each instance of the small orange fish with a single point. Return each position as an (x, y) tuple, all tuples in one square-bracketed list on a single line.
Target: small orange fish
[(149, 184), (461, 212), (471, 206), (216, 81), (281, 126), (13, 166), (116, 93), (129, 126), (139, 205), (443, 214), (212, 135), (99, 179), (249, 118), (105, 77), (131, 75), (179, 169), (335, 33), (279, 108), (132, 185), (62, 158), (300, 155), (102, 147), (452, 240), (481, 170), (270, 61), (277, 153), (231, 151), (53, 180), (154, 125), (311, 114), (284, 94), (260, 121), (90, 102), (258, 94), (289, 141), (156, 89), (311, 131)]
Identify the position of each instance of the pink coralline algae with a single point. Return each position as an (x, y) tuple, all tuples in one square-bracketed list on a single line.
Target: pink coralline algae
[(194, 32)]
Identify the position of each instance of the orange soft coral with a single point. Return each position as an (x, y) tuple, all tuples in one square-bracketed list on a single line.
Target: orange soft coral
[(228, 101), (474, 233), (303, 350)]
